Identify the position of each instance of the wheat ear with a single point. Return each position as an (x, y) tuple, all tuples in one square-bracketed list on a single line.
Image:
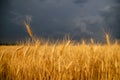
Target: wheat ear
[(28, 29)]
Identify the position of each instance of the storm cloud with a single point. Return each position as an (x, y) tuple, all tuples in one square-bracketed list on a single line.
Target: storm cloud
[(79, 1), (55, 18)]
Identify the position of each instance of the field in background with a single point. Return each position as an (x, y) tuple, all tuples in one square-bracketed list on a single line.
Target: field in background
[(63, 61)]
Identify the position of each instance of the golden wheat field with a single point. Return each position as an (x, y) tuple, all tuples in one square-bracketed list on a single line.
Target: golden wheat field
[(65, 61)]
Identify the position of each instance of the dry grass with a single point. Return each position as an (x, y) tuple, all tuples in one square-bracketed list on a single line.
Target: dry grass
[(65, 61)]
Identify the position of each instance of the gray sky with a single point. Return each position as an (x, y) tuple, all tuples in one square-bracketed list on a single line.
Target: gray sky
[(55, 18)]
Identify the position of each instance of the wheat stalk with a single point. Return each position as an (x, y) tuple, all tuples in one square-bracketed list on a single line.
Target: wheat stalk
[(27, 25), (107, 39), (92, 41)]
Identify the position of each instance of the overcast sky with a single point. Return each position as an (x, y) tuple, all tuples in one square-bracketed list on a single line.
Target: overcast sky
[(55, 18)]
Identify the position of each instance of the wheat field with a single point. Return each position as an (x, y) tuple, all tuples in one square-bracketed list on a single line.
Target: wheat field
[(62, 61)]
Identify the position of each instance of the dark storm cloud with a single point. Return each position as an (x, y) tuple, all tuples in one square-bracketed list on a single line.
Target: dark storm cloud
[(118, 1), (85, 22), (41, 0), (111, 15), (79, 1), (55, 18)]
